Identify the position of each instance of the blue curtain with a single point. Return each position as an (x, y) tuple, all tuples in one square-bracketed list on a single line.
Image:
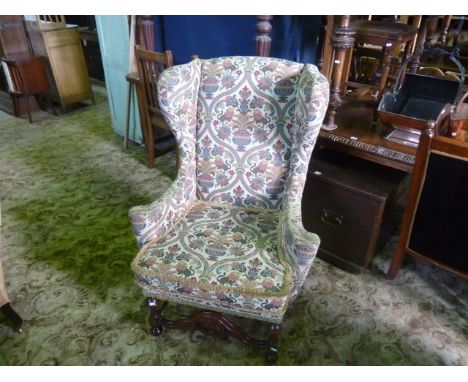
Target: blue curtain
[(293, 37)]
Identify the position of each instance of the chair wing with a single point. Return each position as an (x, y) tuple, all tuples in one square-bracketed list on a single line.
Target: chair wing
[(178, 92), (298, 245)]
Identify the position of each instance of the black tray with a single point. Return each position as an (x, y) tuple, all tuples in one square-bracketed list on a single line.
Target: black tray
[(418, 98)]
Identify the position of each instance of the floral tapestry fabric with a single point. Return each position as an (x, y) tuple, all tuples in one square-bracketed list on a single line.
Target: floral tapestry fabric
[(223, 251), (178, 92), (245, 123), (298, 245), (231, 223)]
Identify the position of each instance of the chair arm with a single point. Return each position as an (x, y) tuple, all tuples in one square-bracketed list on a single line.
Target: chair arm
[(152, 221), (299, 246)]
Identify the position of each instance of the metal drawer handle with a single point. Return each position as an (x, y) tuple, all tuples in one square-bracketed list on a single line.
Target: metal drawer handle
[(331, 218)]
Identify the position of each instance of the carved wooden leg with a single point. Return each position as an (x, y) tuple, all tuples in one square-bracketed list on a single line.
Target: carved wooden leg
[(272, 353), (155, 320), (445, 29), (386, 60)]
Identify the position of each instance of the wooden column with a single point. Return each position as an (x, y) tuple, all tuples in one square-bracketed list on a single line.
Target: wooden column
[(263, 40), (343, 41), (324, 63)]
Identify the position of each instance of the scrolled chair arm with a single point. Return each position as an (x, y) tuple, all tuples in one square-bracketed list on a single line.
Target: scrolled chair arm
[(298, 245), (177, 93)]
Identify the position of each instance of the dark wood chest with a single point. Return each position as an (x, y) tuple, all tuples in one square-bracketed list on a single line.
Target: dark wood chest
[(353, 205)]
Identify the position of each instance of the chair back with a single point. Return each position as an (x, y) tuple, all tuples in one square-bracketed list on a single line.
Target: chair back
[(247, 114), (26, 76), (150, 66)]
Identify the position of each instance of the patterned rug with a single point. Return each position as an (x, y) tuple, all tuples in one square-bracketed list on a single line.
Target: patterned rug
[(66, 185)]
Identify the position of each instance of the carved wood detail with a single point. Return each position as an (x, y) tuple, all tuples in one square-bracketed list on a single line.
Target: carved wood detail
[(343, 41), (263, 39), (430, 31), (445, 28), (213, 324), (377, 150)]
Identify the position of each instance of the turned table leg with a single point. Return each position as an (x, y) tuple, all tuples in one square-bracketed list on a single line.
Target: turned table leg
[(386, 60)]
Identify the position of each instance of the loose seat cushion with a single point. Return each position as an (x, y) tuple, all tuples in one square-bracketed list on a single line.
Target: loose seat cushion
[(222, 257)]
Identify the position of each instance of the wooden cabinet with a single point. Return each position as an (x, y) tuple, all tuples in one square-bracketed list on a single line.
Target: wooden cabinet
[(435, 226), (13, 42), (67, 71)]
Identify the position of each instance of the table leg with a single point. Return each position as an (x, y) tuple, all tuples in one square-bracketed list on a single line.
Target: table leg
[(386, 59)]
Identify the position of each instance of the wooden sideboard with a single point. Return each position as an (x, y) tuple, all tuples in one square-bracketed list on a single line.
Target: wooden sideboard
[(66, 64)]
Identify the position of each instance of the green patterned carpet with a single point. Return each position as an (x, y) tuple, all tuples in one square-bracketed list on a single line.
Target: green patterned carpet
[(66, 185)]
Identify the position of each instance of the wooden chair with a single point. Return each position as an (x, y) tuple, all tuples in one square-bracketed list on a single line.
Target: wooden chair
[(434, 223), (27, 78), (150, 65)]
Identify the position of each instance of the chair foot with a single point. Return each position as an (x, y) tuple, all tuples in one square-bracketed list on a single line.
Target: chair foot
[(156, 331), (272, 354), (155, 319), (13, 317)]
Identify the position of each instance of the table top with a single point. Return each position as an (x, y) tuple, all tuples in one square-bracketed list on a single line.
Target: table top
[(357, 135), (382, 32)]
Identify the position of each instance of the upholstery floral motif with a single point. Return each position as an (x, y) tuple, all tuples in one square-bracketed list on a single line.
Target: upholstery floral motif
[(246, 128), (246, 109), (230, 250)]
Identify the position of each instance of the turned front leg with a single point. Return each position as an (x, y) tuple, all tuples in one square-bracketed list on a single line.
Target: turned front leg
[(272, 352), (155, 319)]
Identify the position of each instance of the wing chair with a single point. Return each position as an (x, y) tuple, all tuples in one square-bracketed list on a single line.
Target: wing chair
[(227, 236)]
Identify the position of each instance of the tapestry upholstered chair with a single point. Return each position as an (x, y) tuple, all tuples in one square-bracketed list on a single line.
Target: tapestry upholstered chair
[(227, 236)]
